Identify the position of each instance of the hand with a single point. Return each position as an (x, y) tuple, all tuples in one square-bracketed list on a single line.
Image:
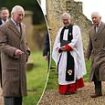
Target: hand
[(28, 52), (61, 49), (18, 52)]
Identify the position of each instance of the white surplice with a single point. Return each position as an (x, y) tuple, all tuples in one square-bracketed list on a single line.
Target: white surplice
[(77, 53)]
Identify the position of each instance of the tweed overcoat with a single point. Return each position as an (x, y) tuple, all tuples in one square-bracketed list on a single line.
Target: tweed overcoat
[(96, 49), (13, 67), (0, 62)]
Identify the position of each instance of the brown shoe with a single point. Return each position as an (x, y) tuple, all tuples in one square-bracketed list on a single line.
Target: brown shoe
[(96, 95)]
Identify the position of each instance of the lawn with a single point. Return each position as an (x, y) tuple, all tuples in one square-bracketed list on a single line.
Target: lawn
[(36, 79)]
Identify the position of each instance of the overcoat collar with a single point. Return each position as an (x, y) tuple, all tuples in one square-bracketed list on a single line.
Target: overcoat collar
[(13, 27), (101, 27)]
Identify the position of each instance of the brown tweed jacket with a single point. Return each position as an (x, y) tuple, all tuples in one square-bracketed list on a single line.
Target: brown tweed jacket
[(13, 67)]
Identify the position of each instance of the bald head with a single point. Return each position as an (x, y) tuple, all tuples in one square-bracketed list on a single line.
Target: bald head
[(66, 18), (17, 13), (96, 18)]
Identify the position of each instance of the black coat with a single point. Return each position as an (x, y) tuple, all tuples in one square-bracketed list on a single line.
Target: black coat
[(46, 49), (1, 22)]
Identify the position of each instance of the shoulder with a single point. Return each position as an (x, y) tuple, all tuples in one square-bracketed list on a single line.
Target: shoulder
[(76, 26), (91, 29), (60, 29), (23, 25), (102, 23), (4, 27)]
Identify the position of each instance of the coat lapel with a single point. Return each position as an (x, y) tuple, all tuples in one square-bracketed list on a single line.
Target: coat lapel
[(12, 27), (22, 32), (101, 27), (93, 32)]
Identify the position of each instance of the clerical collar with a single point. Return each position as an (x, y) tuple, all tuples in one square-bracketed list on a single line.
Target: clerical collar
[(67, 27)]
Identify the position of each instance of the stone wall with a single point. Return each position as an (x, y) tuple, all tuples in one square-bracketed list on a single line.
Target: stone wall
[(54, 10)]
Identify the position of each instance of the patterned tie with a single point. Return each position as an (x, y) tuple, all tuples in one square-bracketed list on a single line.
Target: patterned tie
[(19, 28)]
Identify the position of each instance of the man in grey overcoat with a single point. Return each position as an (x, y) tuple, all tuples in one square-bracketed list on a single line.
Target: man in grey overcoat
[(96, 49), (14, 54)]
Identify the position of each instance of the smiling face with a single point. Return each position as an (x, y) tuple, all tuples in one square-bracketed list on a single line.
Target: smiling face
[(66, 19)]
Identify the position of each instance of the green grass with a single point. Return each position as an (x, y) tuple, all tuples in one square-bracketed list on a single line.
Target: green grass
[(53, 80), (88, 68), (36, 79)]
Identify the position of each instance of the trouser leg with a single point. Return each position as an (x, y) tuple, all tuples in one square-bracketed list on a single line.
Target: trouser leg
[(18, 101), (8, 101), (12, 100), (98, 86)]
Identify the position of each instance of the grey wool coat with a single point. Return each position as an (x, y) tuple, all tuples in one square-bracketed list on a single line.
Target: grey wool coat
[(96, 49), (13, 67)]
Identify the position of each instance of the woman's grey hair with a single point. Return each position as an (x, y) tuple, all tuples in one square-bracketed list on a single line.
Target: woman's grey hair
[(16, 9), (66, 15)]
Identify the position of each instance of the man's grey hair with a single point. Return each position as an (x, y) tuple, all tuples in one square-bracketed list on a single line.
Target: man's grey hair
[(66, 15), (97, 14), (16, 9)]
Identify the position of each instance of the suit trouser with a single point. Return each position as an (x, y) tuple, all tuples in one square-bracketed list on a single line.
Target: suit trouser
[(12, 100), (98, 86)]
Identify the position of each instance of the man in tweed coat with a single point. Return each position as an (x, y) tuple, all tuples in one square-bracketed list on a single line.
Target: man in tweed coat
[(14, 54), (96, 49)]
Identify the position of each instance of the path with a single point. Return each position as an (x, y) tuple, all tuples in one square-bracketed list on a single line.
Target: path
[(82, 97)]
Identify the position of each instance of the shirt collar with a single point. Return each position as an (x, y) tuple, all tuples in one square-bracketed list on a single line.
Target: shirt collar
[(14, 21), (4, 21)]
